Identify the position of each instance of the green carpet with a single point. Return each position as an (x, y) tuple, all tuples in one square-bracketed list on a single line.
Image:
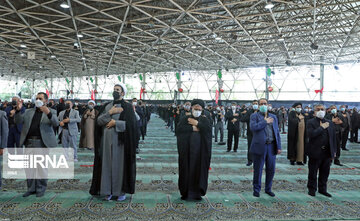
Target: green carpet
[(157, 197)]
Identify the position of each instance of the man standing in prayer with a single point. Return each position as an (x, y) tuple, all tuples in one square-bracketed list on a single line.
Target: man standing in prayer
[(14, 129), (194, 148), (87, 124), (249, 135), (233, 126), (296, 136), (37, 131), (266, 144), (69, 119), (338, 121), (114, 171), (347, 126), (321, 150)]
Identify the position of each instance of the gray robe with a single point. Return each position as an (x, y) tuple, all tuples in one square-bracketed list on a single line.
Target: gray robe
[(111, 153)]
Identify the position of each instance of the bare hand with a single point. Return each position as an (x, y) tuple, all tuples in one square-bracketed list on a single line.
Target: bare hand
[(1, 152), (12, 112), (301, 117), (61, 124), (111, 124), (244, 112), (324, 125), (269, 120), (116, 110), (192, 121), (195, 128), (19, 106), (235, 115), (67, 120), (279, 152), (234, 120), (44, 109)]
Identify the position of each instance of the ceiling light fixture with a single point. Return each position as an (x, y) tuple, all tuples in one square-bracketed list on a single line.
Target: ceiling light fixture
[(218, 38), (64, 5), (83, 58), (22, 54), (281, 39), (52, 56), (22, 46), (269, 5), (80, 35), (314, 46)]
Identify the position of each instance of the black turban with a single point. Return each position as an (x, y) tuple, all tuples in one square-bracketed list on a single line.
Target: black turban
[(199, 102), (296, 104)]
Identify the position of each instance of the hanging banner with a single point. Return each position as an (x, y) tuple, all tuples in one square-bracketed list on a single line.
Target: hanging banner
[(119, 78), (217, 96), (92, 95), (47, 93), (141, 92), (321, 91)]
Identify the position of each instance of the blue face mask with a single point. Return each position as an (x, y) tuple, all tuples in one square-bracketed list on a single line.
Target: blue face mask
[(263, 108), (255, 106), (333, 111), (342, 109), (298, 110)]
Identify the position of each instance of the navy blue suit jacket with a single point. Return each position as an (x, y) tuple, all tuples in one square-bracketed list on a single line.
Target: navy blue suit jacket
[(258, 128)]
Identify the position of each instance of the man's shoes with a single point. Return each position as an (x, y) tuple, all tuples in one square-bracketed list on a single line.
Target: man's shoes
[(40, 194), (108, 198), (121, 198), (221, 143), (270, 193), (346, 149), (325, 193), (183, 198), (28, 194), (292, 163), (235, 151), (312, 193), (300, 163), (215, 141), (256, 194), (228, 150), (338, 163), (249, 164)]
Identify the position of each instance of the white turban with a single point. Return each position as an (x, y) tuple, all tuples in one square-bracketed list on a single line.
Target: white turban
[(123, 86), (91, 101)]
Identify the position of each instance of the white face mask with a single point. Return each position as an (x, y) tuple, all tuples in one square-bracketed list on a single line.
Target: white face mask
[(76, 103), (134, 103), (269, 108), (187, 107), (196, 113), (39, 103), (218, 108), (320, 114)]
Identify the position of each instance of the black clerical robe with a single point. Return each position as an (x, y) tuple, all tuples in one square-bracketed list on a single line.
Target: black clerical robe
[(194, 150)]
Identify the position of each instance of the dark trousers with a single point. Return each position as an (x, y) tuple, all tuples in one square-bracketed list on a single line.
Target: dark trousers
[(249, 155), (354, 134), (323, 166), (338, 147), (344, 138), (233, 134), (143, 131), (171, 123), (13, 140), (36, 185), (269, 159)]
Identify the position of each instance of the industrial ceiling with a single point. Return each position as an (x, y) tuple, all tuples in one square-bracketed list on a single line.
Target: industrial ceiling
[(106, 37)]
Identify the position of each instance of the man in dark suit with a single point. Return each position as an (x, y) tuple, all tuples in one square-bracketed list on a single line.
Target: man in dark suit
[(355, 125), (233, 120), (321, 149), (266, 144), (339, 122), (14, 129), (245, 117)]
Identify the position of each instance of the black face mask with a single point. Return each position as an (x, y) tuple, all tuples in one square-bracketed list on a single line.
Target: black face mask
[(13, 103), (116, 95), (67, 106)]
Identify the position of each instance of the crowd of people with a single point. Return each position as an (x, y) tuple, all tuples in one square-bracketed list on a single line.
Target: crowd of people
[(114, 129), (314, 135)]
